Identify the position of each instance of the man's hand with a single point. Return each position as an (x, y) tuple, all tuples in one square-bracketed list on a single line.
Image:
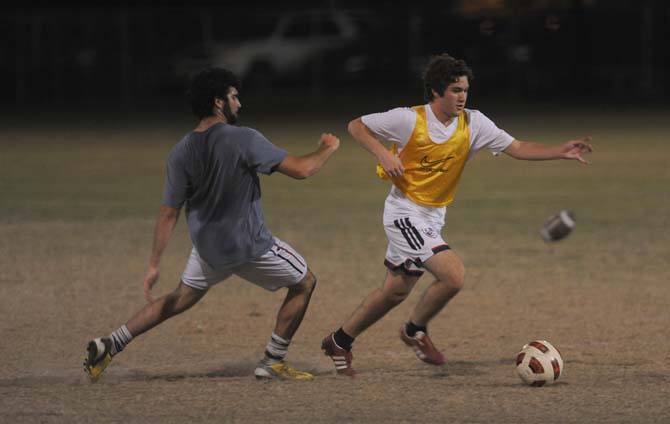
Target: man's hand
[(390, 163), (149, 280), (301, 167), (573, 149), (329, 141), (167, 219)]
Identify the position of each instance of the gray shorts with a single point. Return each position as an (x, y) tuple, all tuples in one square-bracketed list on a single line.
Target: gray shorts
[(281, 266)]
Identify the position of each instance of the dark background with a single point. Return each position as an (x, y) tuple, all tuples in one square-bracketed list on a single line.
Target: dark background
[(78, 56)]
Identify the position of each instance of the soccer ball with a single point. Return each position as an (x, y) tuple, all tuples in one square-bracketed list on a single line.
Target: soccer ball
[(539, 363)]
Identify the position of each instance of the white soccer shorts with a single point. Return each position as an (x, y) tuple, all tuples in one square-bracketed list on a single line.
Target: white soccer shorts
[(281, 266), (411, 242)]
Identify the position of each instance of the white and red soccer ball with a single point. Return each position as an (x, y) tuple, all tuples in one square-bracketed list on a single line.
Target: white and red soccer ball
[(539, 363)]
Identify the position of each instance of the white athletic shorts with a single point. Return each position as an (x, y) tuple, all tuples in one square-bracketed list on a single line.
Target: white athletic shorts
[(411, 242), (281, 266)]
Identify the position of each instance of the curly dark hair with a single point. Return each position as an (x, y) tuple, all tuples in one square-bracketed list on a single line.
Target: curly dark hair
[(207, 85), (441, 71)]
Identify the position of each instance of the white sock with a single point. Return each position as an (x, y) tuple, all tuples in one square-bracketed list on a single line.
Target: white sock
[(276, 349), (120, 338)]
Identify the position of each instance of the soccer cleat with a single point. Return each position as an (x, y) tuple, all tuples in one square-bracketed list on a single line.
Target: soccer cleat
[(98, 358), (280, 370), (341, 357), (423, 347)]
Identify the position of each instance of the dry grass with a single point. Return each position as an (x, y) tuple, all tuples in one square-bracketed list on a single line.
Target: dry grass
[(76, 220)]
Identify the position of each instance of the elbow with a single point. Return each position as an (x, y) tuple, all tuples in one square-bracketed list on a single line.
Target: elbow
[(295, 167), (515, 150), (307, 168), (514, 154), (169, 212), (302, 173), (353, 125)]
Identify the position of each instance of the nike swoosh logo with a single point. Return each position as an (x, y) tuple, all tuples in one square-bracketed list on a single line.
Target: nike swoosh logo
[(426, 162)]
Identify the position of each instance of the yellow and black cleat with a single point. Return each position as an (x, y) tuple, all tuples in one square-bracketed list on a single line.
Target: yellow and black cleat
[(98, 358), (281, 370)]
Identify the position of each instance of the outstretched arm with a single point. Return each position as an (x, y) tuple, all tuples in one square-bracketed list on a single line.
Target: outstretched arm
[(388, 161), (528, 150), (167, 219), (301, 167)]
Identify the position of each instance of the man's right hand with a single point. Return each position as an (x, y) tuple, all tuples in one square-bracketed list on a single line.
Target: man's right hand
[(329, 141), (149, 280), (390, 163)]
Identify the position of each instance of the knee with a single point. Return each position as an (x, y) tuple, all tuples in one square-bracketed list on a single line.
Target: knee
[(307, 284), (180, 299), (448, 270), (172, 305), (457, 279)]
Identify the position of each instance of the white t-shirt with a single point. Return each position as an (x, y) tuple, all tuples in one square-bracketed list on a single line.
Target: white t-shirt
[(397, 125)]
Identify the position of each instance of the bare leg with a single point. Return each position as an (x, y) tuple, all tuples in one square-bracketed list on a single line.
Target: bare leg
[(295, 304), (395, 289), (182, 298), (449, 272)]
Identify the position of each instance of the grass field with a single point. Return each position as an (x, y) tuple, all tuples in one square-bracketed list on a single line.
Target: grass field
[(78, 201)]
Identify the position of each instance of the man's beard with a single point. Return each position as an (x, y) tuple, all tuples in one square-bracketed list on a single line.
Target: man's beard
[(231, 118)]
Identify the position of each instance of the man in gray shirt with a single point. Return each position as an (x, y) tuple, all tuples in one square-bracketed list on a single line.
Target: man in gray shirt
[(212, 171)]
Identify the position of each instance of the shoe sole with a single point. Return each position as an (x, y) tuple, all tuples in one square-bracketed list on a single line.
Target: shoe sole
[(263, 374)]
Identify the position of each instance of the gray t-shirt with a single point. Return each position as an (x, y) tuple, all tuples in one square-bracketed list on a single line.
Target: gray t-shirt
[(214, 173)]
